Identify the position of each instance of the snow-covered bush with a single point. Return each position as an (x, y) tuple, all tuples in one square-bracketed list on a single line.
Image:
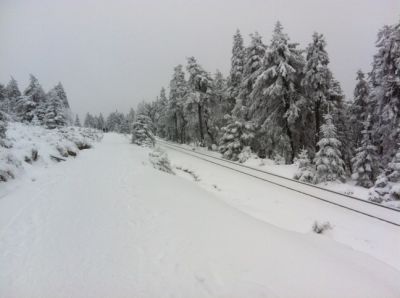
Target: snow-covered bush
[(141, 132), (234, 142), (328, 161), (305, 171), (279, 159), (29, 144), (386, 187), (159, 159), (320, 228)]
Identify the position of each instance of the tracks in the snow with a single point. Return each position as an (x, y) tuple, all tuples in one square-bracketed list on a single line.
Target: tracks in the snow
[(379, 212)]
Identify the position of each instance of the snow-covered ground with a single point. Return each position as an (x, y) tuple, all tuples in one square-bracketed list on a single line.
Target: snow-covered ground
[(293, 211), (107, 224)]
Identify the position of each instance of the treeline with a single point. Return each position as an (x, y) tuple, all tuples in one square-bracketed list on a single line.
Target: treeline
[(283, 102), (33, 105), (115, 121)]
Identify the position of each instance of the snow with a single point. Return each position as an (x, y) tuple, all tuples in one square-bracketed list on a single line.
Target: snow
[(293, 211), (107, 224)]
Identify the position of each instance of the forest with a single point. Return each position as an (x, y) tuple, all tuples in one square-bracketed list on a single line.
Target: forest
[(279, 101)]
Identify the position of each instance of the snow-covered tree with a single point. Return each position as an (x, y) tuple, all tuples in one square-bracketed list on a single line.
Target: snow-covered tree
[(328, 160), (253, 60), (161, 116), (116, 122), (385, 92), (3, 128), (142, 134), (237, 66), (275, 99), (365, 163), (30, 106), (12, 94), (177, 122), (305, 171), (55, 113), (387, 186), (200, 84), (359, 108), (59, 89), (89, 121), (77, 121), (317, 82), (236, 139)]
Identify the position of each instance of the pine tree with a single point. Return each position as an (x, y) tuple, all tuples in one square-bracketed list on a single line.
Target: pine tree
[(365, 163), (3, 128), (236, 139), (253, 60), (305, 171), (30, 105), (77, 121), (142, 134), (161, 117), (359, 108), (386, 187), (237, 66), (54, 110), (12, 94), (328, 160), (200, 84), (3, 99), (385, 92), (178, 93), (275, 99), (317, 82)]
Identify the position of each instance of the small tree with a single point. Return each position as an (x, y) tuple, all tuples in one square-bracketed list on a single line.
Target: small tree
[(141, 132), (236, 138), (305, 171), (365, 163), (328, 160), (77, 121), (3, 128)]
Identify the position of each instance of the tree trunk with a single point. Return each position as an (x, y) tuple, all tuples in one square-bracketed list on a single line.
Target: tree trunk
[(200, 113), (317, 123), (176, 127), (290, 136)]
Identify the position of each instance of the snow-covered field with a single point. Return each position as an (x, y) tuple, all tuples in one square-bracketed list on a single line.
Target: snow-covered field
[(107, 224)]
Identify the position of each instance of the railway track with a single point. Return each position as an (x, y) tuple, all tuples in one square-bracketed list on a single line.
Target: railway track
[(379, 212)]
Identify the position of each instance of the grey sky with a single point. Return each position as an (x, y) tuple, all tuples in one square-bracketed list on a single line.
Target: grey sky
[(112, 54)]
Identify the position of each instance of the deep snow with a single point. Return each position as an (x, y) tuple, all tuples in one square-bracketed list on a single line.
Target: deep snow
[(107, 224)]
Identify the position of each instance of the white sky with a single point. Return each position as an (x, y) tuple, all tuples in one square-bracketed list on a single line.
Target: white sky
[(112, 54)]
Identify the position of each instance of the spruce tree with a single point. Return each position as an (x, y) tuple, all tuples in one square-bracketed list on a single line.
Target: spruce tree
[(3, 128), (12, 94), (365, 162), (236, 138), (385, 92), (77, 121), (359, 108), (317, 82), (200, 84), (237, 66), (30, 105), (305, 171), (178, 93), (54, 110), (328, 160), (142, 134), (253, 60), (275, 99)]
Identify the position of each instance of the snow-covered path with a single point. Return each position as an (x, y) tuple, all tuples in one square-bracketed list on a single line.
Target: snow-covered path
[(108, 225)]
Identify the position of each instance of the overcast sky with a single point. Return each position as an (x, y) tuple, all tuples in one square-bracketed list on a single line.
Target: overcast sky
[(112, 54)]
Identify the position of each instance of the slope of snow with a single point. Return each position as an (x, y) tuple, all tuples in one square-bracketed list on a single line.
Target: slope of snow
[(109, 225), (24, 141), (291, 210)]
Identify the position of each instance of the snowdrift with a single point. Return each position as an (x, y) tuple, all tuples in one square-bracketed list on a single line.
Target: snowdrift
[(28, 145)]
